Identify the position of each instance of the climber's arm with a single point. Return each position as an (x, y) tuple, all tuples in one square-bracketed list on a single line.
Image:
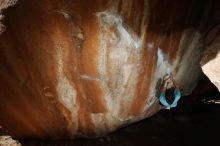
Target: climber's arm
[(165, 83), (175, 83)]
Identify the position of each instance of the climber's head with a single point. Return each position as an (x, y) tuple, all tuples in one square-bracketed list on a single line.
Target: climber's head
[(169, 94)]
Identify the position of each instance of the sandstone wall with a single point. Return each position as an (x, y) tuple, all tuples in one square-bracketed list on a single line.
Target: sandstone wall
[(88, 67)]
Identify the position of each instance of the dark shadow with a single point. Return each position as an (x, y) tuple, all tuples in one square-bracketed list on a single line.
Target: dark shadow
[(158, 87)]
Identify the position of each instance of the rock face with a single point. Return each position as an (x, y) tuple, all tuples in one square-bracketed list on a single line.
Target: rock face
[(212, 70), (3, 5), (211, 59), (8, 141), (88, 67)]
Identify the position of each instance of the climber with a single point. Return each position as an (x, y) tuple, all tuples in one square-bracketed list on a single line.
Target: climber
[(169, 97)]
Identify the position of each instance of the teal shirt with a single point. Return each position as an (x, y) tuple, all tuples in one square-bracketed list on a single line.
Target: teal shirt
[(177, 96)]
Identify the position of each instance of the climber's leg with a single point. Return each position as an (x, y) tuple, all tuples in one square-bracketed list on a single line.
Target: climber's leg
[(163, 100), (176, 94)]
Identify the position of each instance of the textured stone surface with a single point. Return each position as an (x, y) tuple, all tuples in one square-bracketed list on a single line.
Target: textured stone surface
[(211, 57), (212, 70), (3, 5), (88, 67), (8, 141)]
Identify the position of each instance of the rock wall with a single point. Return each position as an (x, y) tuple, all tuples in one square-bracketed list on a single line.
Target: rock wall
[(88, 67), (211, 57), (3, 5)]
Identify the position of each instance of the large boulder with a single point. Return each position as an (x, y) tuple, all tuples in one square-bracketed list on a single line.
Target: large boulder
[(4, 4), (8, 141), (88, 67), (211, 57)]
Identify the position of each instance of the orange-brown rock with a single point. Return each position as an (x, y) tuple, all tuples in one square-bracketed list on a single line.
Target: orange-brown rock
[(88, 67)]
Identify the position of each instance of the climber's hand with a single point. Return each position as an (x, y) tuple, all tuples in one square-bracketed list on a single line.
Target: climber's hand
[(171, 77), (166, 78)]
